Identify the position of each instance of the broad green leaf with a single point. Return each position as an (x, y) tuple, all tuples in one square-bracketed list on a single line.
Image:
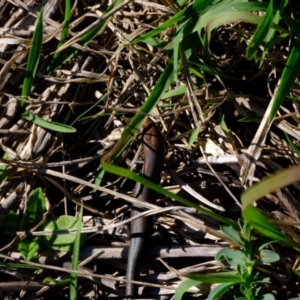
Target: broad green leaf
[(234, 235), (58, 127), (29, 247), (233, 257), (289, 74), (146, 182), (267, 297), (267, 256), (33, 59), (61, 242), (219, 290), (35, 208), (11, 224)]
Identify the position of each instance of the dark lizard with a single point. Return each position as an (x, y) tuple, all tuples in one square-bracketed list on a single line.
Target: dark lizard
[(153, 159)]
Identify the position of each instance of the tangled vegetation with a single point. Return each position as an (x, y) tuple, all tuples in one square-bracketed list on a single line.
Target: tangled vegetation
[(220, 80)]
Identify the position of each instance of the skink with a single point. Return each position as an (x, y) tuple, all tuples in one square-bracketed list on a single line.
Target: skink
[(153, 159)]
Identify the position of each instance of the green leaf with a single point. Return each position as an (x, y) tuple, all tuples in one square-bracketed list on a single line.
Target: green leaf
[(85, 39), (50, 280), (219, 290), (58, 127), (270, 184), (64, 34), (33, 59), (267, 256), (29, 247), (75, 259), (184, 14), (233, 257), (289, 74), (146, 182), (193, 137), (61, 242), (234, 235), (260, 223), (260, 33), (260, 243), (267, 297), (11, 224), (184, 286), (221, 277), (137, 121), (292, 145), (231, 17), (35, 208), (5, 171), (292, 23)]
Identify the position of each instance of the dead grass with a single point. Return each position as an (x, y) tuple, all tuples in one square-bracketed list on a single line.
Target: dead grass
[(65, 165)]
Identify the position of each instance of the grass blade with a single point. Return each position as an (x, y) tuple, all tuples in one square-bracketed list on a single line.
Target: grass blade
[(146, 182), (75, 259), (132, 128), (33, 59), (260, 33), (64, 33), (289, 74), (85, 39), (186, 13), (58, 127)]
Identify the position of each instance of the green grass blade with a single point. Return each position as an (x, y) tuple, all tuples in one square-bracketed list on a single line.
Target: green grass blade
[(219, 290), (58, 127), (228, 278), (292, 23), (186, 13), (33, 59), (260, 223), (184, 286), (75, 259), (135, 124), (260, 33), (86, 38), (64, 33), (292, 145), (222, 277), (289, 74), (146, 182), (270, 184), (231, 17), (89, 109)]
